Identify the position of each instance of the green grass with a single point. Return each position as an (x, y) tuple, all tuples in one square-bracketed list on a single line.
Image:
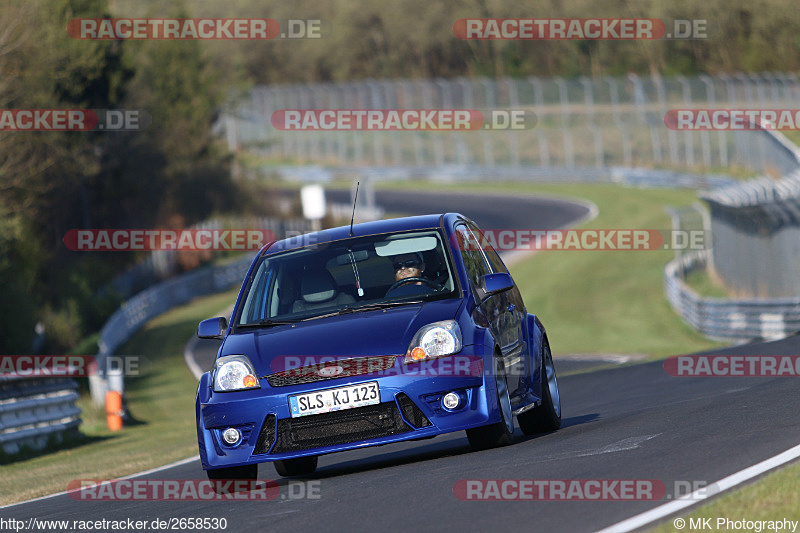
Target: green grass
[(793, 136), (775, 497), (87, 345), (701, 283), (161, 401)]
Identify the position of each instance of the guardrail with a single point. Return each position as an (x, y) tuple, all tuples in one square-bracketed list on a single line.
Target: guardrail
[(757, 229), (583, 123), (150, 303), (634, 177), (728, 319), (36, 411), (163, 264)]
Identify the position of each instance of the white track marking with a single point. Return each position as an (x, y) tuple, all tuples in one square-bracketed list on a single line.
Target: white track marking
[(188, 356), (188, 351), (699, 496), (131, 476), (512, 257)]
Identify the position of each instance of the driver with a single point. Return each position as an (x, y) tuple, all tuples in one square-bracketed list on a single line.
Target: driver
[(408, 265)]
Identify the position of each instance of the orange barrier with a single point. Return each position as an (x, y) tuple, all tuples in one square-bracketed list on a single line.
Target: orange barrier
[(114, 410)]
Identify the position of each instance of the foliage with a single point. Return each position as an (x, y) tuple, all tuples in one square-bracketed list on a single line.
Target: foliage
[(52, 182), (414, 39)]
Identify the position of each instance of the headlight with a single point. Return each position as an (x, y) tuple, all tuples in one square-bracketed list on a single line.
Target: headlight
[(434, 340), (234, 372)]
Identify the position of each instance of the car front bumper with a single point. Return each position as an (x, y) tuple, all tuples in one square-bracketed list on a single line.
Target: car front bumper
[(410, 408)]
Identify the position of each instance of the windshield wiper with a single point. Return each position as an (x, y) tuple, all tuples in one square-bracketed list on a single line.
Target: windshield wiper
[(267, 323), (384, 305), (369, 307), (342, 311)]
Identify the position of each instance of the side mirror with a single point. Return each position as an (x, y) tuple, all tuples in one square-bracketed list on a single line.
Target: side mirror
[(493, 284), (212, 328)]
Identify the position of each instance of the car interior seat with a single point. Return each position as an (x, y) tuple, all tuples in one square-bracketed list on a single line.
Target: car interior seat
[(318, 290)]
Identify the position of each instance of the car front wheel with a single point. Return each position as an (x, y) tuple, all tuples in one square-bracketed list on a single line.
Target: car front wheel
[(500, 433), (546, 417)]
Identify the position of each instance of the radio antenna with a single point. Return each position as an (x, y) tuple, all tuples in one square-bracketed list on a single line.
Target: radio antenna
[(355, 200)]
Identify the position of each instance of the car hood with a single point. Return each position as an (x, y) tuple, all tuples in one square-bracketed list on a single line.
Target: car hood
[(379, 332)]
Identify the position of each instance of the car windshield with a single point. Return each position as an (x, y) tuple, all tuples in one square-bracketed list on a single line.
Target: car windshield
[(346, 276)]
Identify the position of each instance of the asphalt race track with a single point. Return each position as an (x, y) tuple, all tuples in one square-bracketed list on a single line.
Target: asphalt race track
[(630, 422)]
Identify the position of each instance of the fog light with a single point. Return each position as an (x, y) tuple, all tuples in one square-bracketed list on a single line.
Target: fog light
[(231, 436), (451, 401)]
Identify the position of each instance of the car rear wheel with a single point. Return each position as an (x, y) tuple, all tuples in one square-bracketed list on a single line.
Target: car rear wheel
[(500, 433), (546, 417), (296, 467)]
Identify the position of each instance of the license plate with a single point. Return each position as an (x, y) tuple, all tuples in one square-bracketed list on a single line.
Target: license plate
[(325, 401)]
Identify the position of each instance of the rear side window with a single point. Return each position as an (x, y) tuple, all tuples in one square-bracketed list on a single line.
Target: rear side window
[(490, 254), (475, 261)]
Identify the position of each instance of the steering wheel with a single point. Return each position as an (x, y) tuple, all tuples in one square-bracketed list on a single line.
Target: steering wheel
[(425, 281)]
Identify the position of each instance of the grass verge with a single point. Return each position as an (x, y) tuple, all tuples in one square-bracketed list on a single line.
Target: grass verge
[(774, 497), (700, 281), (162, 402)]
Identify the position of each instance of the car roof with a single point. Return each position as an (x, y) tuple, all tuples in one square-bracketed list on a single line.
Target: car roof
[(365, 228)]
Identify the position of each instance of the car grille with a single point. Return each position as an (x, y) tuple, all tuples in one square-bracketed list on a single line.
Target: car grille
[(342, 427), (411, 412), (267, 435), (350, 368)]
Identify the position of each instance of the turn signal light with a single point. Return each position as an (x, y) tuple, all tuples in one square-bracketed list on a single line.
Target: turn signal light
[(417, 354)]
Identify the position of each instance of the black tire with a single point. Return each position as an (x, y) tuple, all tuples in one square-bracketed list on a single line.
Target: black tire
[(296, 467), (547, 416), (235, 473), (500, 433)]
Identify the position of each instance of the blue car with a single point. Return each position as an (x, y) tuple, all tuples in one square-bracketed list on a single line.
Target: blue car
[(370, 334)]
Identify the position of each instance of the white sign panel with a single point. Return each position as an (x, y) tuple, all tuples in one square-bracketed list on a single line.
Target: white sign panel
[(313, 197)]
